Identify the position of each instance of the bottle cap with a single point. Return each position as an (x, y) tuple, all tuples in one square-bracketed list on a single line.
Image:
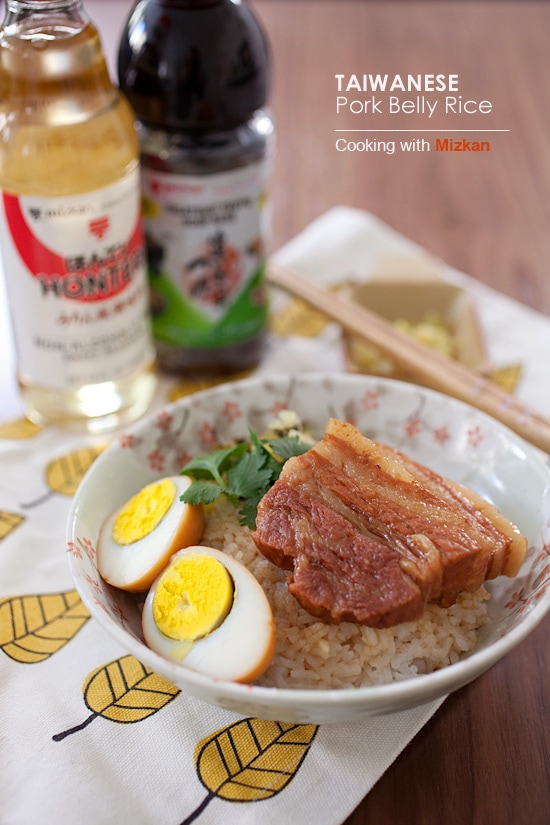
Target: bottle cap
[(202, 65)]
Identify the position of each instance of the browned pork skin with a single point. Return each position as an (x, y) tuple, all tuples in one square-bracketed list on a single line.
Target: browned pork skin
[(371, 536)]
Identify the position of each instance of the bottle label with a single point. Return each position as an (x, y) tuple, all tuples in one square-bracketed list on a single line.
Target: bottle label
[(76, 281), (206, 247)]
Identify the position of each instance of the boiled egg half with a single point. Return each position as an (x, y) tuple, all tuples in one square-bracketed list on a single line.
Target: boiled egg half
[(138, 539), (208, 612)]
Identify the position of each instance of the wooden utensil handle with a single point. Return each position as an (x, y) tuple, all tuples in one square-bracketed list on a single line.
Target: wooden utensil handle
[(428, 366)]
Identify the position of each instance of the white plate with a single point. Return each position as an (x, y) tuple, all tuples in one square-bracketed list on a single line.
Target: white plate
[(448, 436)]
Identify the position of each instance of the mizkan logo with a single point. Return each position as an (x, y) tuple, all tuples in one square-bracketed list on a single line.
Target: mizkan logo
[(99, 226), (86, 278), (159, 187)]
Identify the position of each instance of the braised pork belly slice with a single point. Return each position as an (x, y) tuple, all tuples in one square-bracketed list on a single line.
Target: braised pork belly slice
[(509, 553), (349, 504), (339, 574)]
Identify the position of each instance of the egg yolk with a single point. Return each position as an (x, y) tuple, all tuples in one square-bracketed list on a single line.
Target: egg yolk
[(142, 513), (193, 597)]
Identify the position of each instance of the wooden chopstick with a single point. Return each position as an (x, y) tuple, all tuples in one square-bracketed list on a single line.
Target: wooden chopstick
[(428, 366)]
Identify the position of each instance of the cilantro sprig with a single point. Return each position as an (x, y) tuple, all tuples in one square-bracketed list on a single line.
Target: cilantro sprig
[(243, 473)]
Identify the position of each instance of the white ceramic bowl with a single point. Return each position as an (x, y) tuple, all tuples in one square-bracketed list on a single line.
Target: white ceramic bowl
[(449, 436)]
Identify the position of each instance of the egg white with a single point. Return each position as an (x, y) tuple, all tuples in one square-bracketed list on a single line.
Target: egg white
[(243, 645), (135, 566)]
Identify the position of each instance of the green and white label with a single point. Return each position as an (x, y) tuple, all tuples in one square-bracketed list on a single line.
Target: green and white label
[(206, 238)]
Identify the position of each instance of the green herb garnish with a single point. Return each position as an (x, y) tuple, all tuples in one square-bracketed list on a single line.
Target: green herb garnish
[(243, 473)]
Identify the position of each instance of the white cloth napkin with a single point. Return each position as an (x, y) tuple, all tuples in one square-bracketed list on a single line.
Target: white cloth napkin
[(87, 739)]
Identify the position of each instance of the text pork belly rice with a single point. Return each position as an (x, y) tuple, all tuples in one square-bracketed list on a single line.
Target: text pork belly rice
[(371, 536)]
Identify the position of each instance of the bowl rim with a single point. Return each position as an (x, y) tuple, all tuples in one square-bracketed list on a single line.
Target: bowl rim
[(417, 690)]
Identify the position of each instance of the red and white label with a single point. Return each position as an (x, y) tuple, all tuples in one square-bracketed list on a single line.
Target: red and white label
[(76, 280)]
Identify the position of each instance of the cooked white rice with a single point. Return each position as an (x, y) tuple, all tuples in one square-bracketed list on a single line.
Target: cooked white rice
[(313, 654)]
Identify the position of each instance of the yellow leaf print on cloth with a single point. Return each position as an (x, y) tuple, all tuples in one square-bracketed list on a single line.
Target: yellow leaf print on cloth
[(506, 377), (123, 691), (64, 474), (250, 760), (19, 428), (33, 628), (8, 523)]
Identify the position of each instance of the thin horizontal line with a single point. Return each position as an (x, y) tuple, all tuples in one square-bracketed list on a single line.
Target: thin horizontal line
[(422, 130)]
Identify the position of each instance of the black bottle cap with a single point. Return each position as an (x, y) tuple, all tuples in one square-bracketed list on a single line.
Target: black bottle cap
[(194, 66)]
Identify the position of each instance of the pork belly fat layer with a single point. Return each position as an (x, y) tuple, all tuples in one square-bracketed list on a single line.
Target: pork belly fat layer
[(396, 506), (510, 546)]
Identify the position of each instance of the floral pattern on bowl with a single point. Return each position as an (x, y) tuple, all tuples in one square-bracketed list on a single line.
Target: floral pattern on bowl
[(443, 433)]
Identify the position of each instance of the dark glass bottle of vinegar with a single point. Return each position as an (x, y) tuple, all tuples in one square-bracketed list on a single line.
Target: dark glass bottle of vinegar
[(197, 74)]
